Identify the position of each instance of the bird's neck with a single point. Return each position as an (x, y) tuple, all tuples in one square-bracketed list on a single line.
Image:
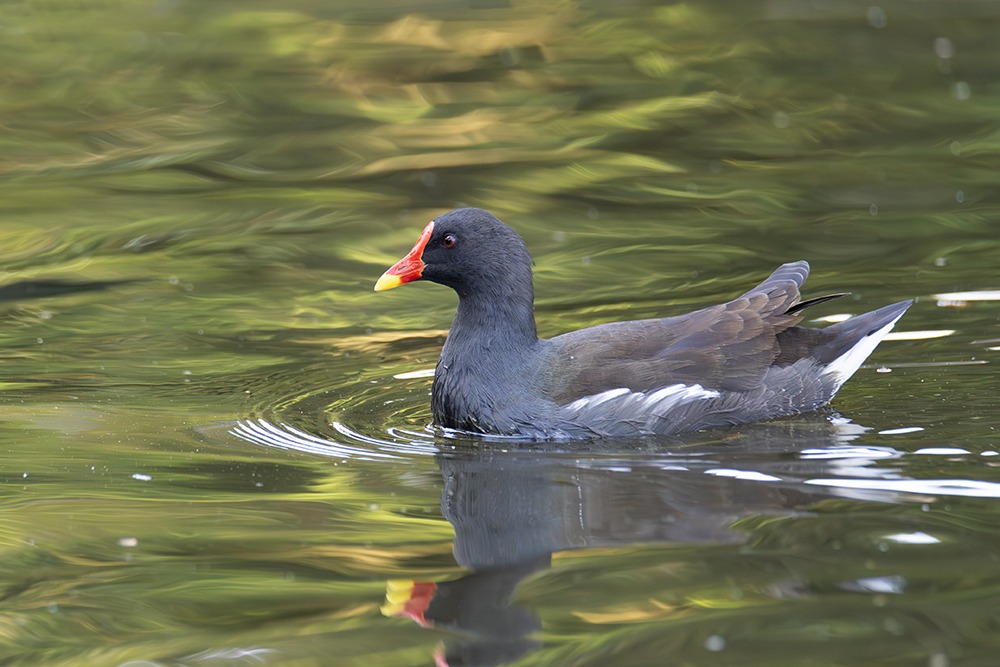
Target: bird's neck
[(491, 351), (499, 320)]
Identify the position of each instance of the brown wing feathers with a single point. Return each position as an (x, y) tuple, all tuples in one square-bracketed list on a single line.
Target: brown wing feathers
[(729, 346)]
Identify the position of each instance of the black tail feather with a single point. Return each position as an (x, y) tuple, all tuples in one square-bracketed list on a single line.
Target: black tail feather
[(802, 305)]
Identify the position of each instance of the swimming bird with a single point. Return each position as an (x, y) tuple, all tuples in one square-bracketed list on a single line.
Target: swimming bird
[(733, 363)]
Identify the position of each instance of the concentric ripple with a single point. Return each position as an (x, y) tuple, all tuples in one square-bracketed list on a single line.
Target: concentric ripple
[(283, 435), (368, 418), (378, 416)]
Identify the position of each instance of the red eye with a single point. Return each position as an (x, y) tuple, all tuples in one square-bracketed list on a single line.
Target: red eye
[(449, 240)]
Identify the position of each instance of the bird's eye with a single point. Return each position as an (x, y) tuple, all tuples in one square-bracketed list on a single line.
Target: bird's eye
[(449, 240)]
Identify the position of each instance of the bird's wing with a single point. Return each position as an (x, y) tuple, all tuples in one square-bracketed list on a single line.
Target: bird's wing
[(727, 347)]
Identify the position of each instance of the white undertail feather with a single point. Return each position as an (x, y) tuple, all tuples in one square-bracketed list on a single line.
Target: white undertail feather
[(844, 366)]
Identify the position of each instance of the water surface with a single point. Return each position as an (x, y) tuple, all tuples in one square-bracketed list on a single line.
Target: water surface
[(216, 437)]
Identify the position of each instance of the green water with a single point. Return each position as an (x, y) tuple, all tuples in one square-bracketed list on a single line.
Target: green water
[(214, 435)]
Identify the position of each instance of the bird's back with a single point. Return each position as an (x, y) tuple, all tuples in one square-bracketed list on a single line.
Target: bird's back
[(741, 361)]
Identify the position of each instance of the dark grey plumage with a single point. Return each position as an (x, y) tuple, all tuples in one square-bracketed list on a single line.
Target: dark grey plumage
[(741, 361)]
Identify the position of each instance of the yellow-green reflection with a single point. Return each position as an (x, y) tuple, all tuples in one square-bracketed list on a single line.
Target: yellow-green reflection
[(214, 435)]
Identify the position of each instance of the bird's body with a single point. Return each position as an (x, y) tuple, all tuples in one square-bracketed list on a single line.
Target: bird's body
[(742, 361)]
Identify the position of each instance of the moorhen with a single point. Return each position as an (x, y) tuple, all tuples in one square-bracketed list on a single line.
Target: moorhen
[(741, 361)]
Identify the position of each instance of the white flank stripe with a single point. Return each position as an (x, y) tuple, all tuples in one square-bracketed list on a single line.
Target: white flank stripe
[(597, 399), (844, 366), (649, 405), (661, 394)]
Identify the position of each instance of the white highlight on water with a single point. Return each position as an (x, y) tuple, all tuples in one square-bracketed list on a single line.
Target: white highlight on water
[(751, 475), (929, 487), (918, 537), (901, 431)]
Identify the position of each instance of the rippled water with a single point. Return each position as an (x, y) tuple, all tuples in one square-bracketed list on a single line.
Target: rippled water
[(216, 437)]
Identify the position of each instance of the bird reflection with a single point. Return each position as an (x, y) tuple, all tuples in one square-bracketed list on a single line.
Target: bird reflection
[(513, 507)]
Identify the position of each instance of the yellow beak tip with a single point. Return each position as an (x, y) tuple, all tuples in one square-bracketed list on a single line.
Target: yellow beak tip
[(387, 281)]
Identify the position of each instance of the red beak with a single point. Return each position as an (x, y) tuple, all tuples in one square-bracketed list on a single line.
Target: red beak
[(409, 599), (409, 268)]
